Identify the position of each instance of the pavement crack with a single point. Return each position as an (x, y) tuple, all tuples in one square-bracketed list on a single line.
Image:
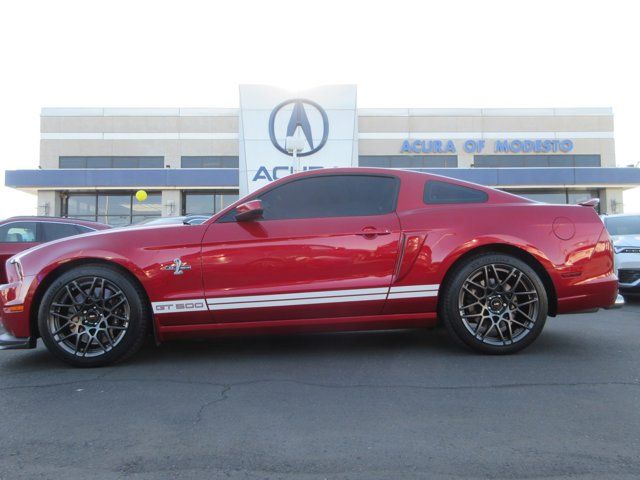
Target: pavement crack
[(227, 386), (54, 384), (439, 387), (223, 396)]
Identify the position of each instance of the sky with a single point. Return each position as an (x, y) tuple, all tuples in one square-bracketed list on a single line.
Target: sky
[(400, 54)]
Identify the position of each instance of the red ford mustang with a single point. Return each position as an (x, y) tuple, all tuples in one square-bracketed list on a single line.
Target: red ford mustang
[(328, 250)]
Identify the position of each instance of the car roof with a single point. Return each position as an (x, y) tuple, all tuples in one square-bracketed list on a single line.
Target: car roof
[(41, 218), (397, 172), (403, 174)]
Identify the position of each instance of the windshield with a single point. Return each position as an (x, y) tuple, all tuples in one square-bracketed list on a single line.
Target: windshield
[(623, 225)]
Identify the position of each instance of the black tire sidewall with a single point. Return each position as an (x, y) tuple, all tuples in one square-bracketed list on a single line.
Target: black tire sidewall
[(451, 315), (134, 335)]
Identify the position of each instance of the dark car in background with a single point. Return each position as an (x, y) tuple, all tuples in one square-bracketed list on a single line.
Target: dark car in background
[(20, 233)]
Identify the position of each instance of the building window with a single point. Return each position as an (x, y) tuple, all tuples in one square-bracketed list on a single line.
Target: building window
[(207, 202), (523, 161), (115, 209), (556, 195), (209, 162), (408, 161), (111, 162)]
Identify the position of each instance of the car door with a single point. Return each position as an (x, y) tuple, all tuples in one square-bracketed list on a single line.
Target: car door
[(326, 246), (14, 238)]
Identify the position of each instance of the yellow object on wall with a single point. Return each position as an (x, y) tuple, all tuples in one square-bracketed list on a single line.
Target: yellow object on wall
[(141, 195)]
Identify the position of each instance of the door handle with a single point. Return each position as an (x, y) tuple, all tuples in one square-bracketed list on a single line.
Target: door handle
[(373, 232)]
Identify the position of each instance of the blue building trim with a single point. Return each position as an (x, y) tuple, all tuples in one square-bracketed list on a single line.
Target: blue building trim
[(544, 177), (229, 177), (124, 178)]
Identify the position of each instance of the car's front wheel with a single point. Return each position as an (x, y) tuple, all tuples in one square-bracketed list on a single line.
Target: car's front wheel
[(494, 303), (92, 316)]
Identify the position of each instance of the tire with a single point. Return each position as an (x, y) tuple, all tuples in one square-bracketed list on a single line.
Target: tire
[(502, 319), (93, 316)]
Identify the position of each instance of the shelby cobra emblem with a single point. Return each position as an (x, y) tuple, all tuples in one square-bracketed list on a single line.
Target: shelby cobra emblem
[(177, 267)]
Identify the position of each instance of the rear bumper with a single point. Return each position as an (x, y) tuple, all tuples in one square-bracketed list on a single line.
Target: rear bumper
[(590, 295), (9, 342)]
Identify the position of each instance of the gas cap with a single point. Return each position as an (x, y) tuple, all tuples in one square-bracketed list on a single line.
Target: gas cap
[(564, 228)]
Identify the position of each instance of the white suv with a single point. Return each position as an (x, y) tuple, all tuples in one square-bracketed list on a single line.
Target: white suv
[(625, 233)]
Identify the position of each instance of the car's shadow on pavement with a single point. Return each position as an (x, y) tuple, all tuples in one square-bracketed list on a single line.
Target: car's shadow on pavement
[(352, 344), (424, 344), (421, 343), (355, 344)]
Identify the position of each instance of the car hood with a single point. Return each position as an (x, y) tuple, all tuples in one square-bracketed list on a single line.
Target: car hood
[(117, 244)]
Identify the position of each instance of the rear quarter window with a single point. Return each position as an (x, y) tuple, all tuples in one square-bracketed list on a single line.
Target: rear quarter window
[(436, 192)]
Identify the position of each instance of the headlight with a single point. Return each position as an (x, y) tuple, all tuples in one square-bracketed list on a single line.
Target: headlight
[(626, 249), (18, 266)]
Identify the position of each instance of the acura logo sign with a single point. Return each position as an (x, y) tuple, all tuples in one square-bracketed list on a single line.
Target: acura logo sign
[(299, 118)]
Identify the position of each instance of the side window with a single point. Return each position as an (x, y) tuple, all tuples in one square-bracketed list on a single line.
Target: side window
[(436, 192), (18, 232), (331, 196), (54, 231)]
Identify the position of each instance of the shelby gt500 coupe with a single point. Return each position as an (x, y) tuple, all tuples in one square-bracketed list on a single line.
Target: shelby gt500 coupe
[(327, 250)]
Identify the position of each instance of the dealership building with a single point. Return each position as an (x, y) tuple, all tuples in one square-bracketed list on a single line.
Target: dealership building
[(198, 160)]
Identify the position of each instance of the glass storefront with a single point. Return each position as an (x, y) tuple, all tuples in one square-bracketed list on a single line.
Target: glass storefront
[(122, 208), (207, 202), (115, 209)]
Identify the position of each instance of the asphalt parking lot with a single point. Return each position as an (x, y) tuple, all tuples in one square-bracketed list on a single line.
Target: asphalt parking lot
[(368, 405)]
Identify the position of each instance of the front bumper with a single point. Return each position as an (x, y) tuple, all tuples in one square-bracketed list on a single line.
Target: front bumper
[(15, 328), (629, 280), (9, 342)]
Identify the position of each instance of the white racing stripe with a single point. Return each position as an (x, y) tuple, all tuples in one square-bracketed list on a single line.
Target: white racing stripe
[(295, 296), (396, 296), (293, 299), (414, 288), (297, 301), (413, 291)]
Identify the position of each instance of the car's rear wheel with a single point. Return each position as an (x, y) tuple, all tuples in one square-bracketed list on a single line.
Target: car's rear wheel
[(92, 316), (494, 303)]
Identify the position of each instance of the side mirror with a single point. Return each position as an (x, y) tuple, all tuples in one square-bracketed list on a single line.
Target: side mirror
[(251, 210)]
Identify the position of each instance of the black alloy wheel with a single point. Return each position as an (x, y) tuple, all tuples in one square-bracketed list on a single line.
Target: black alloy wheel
[(494, 303), (93, 316)]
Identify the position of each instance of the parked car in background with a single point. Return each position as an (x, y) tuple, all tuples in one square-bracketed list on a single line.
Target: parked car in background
[(185, 220), (20, 233), (625, 234), (325, 250)]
